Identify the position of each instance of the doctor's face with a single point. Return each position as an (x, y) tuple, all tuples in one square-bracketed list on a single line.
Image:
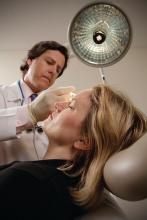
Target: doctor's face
[(64, 125), (44, 70)]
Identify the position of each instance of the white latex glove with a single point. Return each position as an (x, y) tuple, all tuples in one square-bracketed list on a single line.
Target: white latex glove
[(44, 104)]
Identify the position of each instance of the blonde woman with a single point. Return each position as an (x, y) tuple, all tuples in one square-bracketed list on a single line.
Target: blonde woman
[(83, 134)]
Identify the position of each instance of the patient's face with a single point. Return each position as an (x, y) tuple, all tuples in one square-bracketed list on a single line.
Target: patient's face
[(64, 125)]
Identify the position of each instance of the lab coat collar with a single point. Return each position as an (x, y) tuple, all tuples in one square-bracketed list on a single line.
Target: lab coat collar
[(14, 94)]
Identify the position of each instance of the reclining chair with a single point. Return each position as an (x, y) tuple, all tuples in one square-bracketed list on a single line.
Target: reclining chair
[(125, 175)]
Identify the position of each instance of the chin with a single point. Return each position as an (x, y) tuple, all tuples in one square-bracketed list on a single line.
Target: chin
[(43, 86)]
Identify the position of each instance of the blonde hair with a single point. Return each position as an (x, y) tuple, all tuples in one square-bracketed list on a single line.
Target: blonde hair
[(112, 124)]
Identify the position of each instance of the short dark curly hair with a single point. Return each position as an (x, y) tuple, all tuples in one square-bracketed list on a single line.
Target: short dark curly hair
[(42, 47)]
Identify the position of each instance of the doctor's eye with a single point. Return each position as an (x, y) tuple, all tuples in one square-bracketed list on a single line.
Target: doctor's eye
[(48, 62)]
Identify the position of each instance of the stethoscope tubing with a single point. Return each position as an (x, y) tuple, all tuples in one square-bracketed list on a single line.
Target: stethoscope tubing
[(22, 94)]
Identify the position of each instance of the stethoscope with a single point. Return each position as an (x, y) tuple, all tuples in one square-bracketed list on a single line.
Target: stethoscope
[(38, 128), (22, 94)]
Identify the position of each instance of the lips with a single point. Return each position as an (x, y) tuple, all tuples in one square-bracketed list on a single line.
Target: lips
[(47, 78)]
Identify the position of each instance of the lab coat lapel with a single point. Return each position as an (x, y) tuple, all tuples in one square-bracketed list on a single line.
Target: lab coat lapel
[(14, 93)]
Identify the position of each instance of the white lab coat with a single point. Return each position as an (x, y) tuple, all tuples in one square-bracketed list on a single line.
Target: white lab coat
[(12, 147)]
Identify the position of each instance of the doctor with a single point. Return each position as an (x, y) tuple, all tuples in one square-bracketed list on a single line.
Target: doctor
[(45, 62)]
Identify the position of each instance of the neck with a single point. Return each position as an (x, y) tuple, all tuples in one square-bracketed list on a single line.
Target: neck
[(26, 80), (59, 152)]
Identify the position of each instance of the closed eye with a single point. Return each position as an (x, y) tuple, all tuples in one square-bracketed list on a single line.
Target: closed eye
[(50, 62), (72, 104), (71, 107)]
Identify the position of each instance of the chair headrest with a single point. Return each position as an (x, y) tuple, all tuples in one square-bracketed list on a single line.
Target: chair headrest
[(125, 173)]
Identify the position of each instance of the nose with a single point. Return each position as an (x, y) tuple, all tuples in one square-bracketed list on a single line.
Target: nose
[(53, 70), (60, 106)]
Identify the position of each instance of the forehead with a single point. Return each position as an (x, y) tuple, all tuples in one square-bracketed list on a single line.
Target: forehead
[(55, 55), (84, 97), (85, 93)]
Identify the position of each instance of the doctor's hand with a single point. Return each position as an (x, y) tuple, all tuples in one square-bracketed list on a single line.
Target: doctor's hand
[(44, 104)]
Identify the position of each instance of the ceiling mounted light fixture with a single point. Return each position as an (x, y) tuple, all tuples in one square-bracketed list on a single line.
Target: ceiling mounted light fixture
[(100, 34)]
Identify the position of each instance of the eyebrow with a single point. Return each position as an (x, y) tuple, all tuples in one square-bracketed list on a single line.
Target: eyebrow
[(73, 100)]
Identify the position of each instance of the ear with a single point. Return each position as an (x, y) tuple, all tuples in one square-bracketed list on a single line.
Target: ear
[(29, 61), (81, 145)]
